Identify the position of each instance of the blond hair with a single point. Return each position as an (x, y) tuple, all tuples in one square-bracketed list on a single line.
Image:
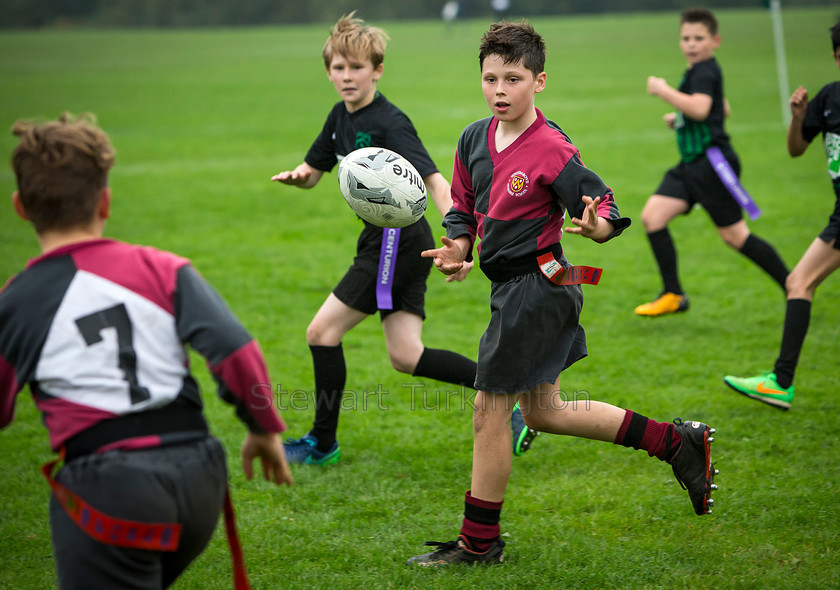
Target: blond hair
[(351, 37), (61, 167)]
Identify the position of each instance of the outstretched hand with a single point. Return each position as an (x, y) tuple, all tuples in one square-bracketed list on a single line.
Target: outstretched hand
[(268, 448), (297, 177), (448, 259), (587, 224)]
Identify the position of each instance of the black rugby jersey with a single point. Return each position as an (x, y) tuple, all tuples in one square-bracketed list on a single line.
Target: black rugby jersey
[(694, 137), (379, 124), (823, 116)]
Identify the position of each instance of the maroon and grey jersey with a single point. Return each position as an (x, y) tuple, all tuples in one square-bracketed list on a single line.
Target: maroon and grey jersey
[(97, 329), (515, 200)]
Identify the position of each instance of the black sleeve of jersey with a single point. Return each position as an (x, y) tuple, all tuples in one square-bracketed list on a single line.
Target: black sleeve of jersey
[(402, 138), (204, 320), (814, 121), (206, 323), (321, 154), (575, 180), (705, 78), (27, 306)]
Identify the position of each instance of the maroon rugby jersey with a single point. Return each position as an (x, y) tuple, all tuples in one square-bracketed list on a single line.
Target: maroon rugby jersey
[(515, 200), (97, 329)]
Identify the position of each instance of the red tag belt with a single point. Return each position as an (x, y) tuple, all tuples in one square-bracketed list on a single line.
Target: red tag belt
[(140, 535), (571, 275)]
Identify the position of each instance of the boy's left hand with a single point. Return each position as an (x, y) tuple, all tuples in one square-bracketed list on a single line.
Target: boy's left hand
[(461, 274), (589, 224)]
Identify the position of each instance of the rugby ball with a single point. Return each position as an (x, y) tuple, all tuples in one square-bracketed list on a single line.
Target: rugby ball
[(382, 187)]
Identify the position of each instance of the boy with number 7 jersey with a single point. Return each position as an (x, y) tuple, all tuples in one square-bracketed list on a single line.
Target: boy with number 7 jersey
[(97, 329)]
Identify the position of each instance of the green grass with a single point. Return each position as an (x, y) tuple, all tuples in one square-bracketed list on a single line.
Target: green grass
[(202, 119)]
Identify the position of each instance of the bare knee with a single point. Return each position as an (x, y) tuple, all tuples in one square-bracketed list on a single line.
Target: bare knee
[(733, 241), (534, 419), (487, 418), (799, 286), (735, 235), (650, 219), (402, 362), (319, 334)]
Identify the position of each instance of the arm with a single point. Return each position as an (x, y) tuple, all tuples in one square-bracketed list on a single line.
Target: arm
[(696, 106), (438, 188), (796, 143), (304, 176), (9, 388), (204, 321)]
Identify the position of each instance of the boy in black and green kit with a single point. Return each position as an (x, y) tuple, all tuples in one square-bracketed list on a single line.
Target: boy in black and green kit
[(708, 170)]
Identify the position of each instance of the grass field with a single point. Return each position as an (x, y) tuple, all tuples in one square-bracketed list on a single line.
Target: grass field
[(201, 120)]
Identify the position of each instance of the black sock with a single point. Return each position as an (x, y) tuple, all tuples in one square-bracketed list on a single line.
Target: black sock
[(797, 318), (445, 365), (330, 377), (666, 257), (766, 257)]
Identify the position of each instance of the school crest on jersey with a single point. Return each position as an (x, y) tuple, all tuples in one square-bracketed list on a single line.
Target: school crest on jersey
[(518, 184)]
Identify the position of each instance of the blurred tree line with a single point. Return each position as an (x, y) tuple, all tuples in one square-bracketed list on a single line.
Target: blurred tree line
[(203, 13)]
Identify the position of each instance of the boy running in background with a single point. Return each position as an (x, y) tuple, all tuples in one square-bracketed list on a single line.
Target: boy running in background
[(823, 255), (704, 146), (97, 330), (353, 56), (516, 174)]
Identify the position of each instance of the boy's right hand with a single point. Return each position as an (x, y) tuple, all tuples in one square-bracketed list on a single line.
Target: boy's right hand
[(450, 258), (296, 177), (799, 102), (304, 176), (268, 448)]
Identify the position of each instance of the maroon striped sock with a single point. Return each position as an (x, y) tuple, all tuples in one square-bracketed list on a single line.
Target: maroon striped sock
[(657, 438), (481, 522)]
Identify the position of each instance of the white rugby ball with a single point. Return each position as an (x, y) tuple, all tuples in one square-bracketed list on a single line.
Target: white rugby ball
[(382, 187)]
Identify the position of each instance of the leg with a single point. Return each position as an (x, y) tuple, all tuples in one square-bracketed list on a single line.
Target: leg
[(738, 237), (403, 338), (660, 210), (479, 541), (544, 409), (683, 445), (657, 213), (818, 262), (324, 334), (776, 388), (333, 320), (492, 455)]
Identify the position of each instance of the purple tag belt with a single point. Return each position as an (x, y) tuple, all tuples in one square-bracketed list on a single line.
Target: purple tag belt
[(730, 181), (387, 265)]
